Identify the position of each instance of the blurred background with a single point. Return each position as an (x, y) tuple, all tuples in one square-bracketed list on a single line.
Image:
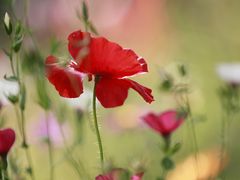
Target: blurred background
[(198, 33)]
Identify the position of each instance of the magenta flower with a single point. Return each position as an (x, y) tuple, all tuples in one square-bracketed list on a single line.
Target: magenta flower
[(115, 174), (164, 123)]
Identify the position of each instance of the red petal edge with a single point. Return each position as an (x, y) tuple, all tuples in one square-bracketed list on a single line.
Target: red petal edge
[(97, 55), (113, 92)]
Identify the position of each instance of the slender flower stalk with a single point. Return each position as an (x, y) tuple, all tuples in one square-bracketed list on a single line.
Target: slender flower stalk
[(165, 124), (16, 39), (50, 147), (192, 129), (100, 146), (77, 165)]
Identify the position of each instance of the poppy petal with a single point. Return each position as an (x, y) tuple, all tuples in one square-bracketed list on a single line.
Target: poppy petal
[(151, 120), (164, 123), (104, 58), (145, 92), (67, 82), (113, 92)]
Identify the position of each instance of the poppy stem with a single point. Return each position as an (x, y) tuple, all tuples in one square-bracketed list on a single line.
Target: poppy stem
[(4, 166), (96, 124)]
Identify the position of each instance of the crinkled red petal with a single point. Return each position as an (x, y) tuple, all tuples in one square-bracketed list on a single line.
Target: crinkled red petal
[(67, 82), (99, 56)]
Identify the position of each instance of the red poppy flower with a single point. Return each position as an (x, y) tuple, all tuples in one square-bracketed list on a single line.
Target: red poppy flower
[(7, 138), (108, 62), (164, 123), (116, 174)]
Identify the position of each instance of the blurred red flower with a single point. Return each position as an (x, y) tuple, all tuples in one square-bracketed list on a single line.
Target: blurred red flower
[(116, 174), (7, 138), (164, 123), (108, 62)]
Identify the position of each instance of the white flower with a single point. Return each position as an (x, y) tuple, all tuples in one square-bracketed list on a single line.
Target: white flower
[(7, 88), (229, 72)]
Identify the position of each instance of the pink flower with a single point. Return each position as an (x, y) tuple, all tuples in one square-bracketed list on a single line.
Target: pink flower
[(164, 123), (116, 174), (137, 176), (39, 131)]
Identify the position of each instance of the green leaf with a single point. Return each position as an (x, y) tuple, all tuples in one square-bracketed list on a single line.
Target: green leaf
[(166, 85), (10, 78), (85, 11), (92, 28), (167, 163), (17, 43), (43, 98), (175, 148), (18, 28), (22, 99), (12, 98), (182, 70)]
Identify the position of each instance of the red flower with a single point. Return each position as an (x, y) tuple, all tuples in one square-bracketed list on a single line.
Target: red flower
[(116, 174), (108, 62), (7, 138), (164, 123)]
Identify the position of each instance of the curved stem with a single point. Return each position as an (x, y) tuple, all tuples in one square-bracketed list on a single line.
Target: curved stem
[(50, 147), (96, 124)]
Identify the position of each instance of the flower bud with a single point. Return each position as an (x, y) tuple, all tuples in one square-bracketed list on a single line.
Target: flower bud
[(7, 24), (7, 138)]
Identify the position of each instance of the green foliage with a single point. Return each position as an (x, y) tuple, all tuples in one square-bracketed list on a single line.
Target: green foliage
[(10, 78), (167, 163), (43, 98), (12, 98), (22, 97)]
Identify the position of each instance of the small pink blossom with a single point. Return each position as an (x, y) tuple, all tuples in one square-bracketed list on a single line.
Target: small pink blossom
[(164, 123)]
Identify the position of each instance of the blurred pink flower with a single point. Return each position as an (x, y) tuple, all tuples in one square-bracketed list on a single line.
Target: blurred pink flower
[(115, 174), (39, 131), (164, 123)]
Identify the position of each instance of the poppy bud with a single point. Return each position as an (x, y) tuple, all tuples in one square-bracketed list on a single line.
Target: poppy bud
[(7, 138), (7, 24)]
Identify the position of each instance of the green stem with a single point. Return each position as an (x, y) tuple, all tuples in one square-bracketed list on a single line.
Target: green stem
[(26, 147), (193, 132), (4, 167), (50, 148), (223, 145), (77, 165), (96, 124)]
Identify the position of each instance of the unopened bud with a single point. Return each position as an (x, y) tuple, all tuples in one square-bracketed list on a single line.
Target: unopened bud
[(7, 24)]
